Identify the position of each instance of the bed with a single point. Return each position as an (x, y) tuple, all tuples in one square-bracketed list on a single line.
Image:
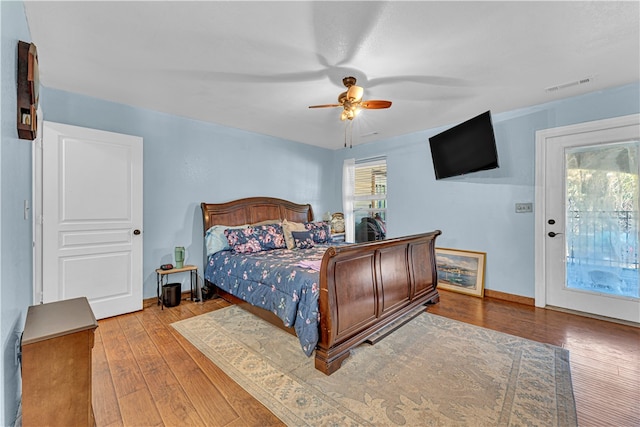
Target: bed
[(346, 293)]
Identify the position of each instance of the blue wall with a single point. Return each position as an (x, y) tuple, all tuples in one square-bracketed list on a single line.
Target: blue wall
[(15, 232), (477, 211), (187, 162)]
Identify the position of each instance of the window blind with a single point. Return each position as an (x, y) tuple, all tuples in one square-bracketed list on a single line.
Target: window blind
[(370, 193)]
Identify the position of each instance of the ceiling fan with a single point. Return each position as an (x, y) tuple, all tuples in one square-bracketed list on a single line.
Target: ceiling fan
[(351, 101)]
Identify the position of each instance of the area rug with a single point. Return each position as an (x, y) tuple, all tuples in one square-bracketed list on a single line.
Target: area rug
[(432, 371)]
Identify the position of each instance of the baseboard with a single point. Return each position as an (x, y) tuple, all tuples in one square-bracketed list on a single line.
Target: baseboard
[(487, 293), (509, 297), (146, 303)]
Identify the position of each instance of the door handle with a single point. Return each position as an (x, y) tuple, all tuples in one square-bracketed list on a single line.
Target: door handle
[(136, 232), (552, 234)]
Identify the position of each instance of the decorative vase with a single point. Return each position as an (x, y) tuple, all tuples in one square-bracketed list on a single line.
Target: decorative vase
[(179, 254)]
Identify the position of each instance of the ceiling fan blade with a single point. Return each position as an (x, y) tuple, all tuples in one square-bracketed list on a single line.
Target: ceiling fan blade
[(342, 29), (325, 106), (222, 76), (375, 104)]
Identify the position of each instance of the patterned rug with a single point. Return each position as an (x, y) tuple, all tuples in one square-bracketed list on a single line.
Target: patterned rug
[(432, 371)]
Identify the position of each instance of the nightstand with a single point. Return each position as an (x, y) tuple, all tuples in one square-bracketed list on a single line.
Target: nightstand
[(337, 237), (56, 364), (164, 274)]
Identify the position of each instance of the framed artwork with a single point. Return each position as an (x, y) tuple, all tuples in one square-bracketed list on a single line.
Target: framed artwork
[(27, 90), (461, 271)]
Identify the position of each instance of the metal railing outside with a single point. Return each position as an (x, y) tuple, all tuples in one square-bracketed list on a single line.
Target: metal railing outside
[(602, 251)]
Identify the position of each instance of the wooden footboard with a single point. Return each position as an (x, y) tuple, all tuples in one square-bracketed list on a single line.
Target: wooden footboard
[(365, 287)]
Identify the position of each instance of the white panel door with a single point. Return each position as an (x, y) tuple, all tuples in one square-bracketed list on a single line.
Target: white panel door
[(590, 217), (92, 218)]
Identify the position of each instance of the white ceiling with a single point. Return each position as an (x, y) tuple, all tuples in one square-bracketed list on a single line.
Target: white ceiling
[(258, 65)]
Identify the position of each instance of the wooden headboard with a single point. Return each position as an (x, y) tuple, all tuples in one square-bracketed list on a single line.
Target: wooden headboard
[(252, 210)]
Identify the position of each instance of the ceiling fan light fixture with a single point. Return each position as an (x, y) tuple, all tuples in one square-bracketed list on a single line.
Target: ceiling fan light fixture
[(354, 94), (349, 113), (351, 101)]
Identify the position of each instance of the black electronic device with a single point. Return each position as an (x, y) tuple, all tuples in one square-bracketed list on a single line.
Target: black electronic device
[(465, 148), (166, 267)]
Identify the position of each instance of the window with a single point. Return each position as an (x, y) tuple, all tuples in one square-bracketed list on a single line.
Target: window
[(366, 199)]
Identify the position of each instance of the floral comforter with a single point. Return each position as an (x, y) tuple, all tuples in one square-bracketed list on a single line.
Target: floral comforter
[(282, 281)]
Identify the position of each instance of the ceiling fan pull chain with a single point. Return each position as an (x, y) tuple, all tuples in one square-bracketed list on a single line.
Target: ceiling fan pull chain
[(350, 134), (345, 134), (348, 128)]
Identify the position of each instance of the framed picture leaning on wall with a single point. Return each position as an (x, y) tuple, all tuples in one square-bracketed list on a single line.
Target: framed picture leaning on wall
[(461, 271)]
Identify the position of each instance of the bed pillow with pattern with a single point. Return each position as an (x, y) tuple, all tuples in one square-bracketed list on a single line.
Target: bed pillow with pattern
[(256, 238), (321, 231), (288, 227), (303, 239), (216, 240)]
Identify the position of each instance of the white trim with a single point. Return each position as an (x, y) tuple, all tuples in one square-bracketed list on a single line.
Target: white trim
[(348, 185), (539, 215), (373, 161), (36, 210)]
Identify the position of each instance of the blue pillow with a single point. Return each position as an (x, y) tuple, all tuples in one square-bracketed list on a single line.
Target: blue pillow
[(303, 239), (321, 231), (255, 238)]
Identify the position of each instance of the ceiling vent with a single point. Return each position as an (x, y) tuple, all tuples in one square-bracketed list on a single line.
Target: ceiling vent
[(569, 84)]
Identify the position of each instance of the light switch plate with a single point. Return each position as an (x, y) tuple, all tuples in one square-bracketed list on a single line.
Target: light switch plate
[(524, 207)]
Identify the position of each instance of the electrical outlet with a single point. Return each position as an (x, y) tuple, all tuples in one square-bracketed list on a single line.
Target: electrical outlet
[(524, 207)]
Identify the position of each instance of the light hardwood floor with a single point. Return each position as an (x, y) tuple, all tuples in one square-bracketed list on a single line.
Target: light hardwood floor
[(146, 374)]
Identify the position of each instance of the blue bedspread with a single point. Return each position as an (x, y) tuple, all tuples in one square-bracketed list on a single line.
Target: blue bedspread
[(273, 280)]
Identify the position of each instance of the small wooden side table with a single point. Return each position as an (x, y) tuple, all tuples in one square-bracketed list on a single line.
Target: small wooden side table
[(163, 275)]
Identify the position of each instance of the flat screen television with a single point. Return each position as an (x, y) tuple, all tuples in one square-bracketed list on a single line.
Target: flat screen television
[(465, 148)]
